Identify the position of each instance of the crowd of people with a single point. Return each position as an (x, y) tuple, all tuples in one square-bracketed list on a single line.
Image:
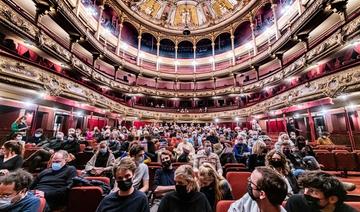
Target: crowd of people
[(282, 170)]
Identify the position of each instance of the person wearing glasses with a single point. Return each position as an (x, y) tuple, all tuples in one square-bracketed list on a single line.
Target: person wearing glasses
[(14, 195), (126, 198), (265, 192)]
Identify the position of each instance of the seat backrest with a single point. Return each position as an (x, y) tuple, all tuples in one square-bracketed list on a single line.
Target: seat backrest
[(102, 179), (346, 161), (42, 204), (84, 199), (327, 159), (355, 205), (223, 205), (238, 182)]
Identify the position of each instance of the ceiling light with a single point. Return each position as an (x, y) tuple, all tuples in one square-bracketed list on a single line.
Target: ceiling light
[(28, 103), (237, 119), (216, 120), (124, 46), (79, 113)]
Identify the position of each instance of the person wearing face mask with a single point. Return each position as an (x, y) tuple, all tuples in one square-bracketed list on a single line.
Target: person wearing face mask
[(101, 162), (47, 148), (53, 183), (186, 196), (141, 174), (266, 191), (14, 194), (164, 177), (213, 185), (71, 144), (322, 192), (241, 150), (324, 139), (207, 156), (11, 158), (185, 145), (37, 137), (277, 161), (126, 198)]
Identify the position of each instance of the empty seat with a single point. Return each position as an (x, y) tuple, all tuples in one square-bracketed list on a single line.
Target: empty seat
[(233, 167), (327, 159), (346, 161), (223, 205), (238, 182)]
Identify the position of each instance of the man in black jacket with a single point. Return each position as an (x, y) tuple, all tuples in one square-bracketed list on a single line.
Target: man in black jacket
[(52, 183)]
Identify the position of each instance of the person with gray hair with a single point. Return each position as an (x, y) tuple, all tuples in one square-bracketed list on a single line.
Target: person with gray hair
[(14, 195), (101, 162), (53, 182)]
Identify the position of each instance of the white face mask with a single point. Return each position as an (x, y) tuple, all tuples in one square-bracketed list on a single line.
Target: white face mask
[(5, 203), (19, 138)]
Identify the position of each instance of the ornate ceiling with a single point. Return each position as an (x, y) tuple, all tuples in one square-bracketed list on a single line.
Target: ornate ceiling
[(176, 14)]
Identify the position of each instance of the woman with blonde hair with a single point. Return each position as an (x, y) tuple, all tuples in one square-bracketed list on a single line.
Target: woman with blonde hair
[(186, 197), (257, 158), (277, 161), (213, 185)]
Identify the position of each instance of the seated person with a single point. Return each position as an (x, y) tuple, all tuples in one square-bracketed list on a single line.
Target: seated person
[(206, 155), (185, 145), (127, 198), (14, 193), (241, 149), (265, 192), (324, 139), (53, 183), (38, 137), (141, 174), (257, 158), (186, 197), (213, 185), (47, 148), (322, 192), (101, 162), (11, 158), (71, 144), (164, 177)]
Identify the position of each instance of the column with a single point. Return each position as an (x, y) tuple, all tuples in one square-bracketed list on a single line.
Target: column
[(194, 63), (300, 6), (234, 77), (252, 25), (348, 126), (118, 46), (213, 53), (176, 55), (77, 7), (97, 34), (232, 37), (138, 49), (214, 83), (311, 125), (277, 31), (157, 54), (284, 122)]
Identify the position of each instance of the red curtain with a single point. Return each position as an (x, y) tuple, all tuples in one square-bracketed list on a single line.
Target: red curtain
[(33, 55), (100, 123), (357, 48), (21, 49)]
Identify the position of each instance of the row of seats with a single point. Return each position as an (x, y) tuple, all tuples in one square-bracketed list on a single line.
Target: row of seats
[(331, 147), (224, 205), (339, 160)]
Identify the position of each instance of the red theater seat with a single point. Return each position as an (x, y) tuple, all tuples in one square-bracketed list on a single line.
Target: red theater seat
[(84, 199), (233, 167), (327, 159), (355, 205), (345, 161), (42, 204), (238, 182), (223, 205), (102, 179)]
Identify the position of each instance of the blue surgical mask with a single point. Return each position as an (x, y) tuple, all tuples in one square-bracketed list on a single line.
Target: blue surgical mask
[(5, 203), (103, 150), (56, 166)]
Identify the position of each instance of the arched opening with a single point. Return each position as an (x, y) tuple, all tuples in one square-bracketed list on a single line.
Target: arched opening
[(222, 43), (148, 43), (129, 34), (203, 48), (167, 48), (185, 50), (242, 34)]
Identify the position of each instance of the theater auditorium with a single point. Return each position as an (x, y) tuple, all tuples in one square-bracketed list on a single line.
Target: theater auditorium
[(180, 105)]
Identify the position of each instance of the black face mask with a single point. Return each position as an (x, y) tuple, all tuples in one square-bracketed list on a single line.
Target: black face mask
[(313, 202), (287, 151), (125, 185), (250, 192), (276, 163), (166, 164), (181, 190)]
